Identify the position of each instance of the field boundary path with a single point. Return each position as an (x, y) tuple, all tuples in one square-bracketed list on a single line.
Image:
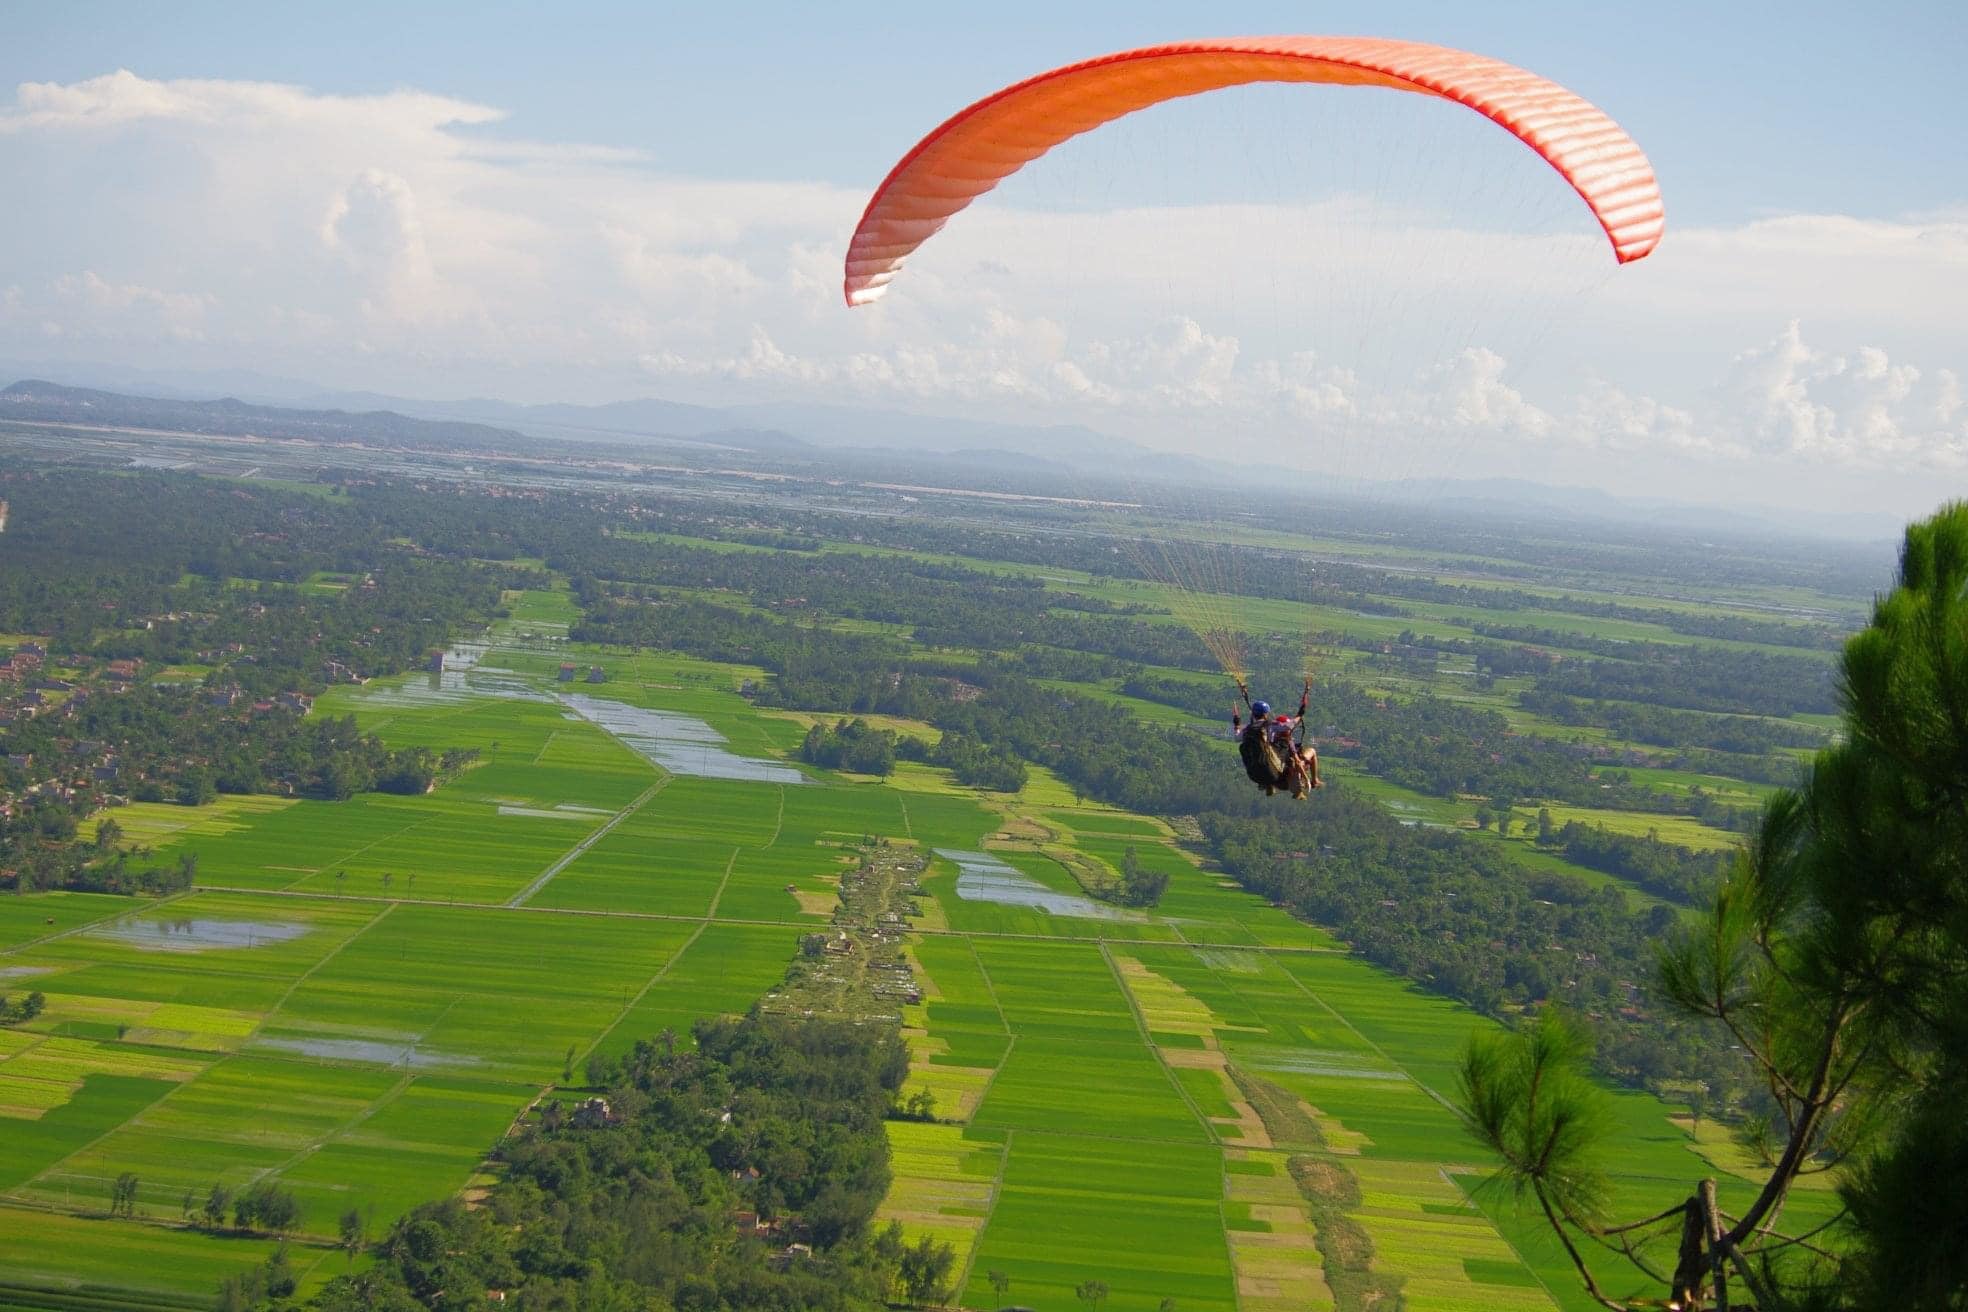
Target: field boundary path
[(87, 925), (568, 858), (308, 974), (1148, 1042), (629, 1006), (710, 914), (990, 1204), (1381, 1052)]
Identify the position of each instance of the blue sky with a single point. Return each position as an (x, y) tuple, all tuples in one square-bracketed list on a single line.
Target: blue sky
[(592, 201), (1748, 107)]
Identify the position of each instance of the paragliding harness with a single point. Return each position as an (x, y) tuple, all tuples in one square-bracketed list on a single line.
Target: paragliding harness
[(1265, 765)]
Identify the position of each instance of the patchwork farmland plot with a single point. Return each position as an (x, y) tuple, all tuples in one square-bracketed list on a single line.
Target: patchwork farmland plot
[(347, 1007)]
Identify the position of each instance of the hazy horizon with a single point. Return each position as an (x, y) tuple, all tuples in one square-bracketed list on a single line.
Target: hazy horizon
[(367, 206)]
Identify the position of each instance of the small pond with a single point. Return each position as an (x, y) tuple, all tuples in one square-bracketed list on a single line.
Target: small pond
[(681, 744), (408, 1055), (198, 934), (982, 877)]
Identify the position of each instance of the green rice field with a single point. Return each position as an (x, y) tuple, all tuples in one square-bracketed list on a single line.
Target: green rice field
[(360, 997)]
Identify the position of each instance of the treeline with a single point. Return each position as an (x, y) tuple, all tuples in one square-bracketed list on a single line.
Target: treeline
[(602, 535), (97, 557), (1703, 679), (741, 1173), (387, 620), (173, 745), (1736, 734), (1666, 870), (971, 760), (849, 745), (176, 743), (1138, 885), (1056, 541), (854, 746), (1059, 536), (26, 1009), (1695, 677), (110, 871)]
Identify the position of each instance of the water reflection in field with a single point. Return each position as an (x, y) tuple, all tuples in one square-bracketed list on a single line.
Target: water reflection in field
[(681, 744), (464, 676), (982, 877), (197, 934), (369, 1050)]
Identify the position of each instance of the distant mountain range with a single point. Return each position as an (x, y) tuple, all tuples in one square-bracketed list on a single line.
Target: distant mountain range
[(867, 437), (835, 426), (37, 401)]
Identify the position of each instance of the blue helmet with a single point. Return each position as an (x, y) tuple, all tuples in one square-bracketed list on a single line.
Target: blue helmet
[(1260, 709)]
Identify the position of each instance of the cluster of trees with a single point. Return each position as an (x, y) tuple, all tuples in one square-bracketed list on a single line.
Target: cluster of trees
[(264, 1207), (1667, 870), (269, 1284), (850, 745), (650, 1205), (39, 851), (118, 872), (971, 760), (859, 748), (1139, 886), (16, 1013)]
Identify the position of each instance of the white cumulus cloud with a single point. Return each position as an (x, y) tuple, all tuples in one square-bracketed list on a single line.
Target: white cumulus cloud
[(408, 241)]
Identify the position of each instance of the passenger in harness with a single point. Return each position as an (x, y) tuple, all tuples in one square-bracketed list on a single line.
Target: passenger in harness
[(1272, 747)]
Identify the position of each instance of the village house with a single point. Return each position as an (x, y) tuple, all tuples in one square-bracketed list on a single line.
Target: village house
[(593, 1113), (790, 1254)]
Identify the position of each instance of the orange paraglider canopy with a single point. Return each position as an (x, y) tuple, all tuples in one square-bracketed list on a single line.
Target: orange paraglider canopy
[(981, 146)]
